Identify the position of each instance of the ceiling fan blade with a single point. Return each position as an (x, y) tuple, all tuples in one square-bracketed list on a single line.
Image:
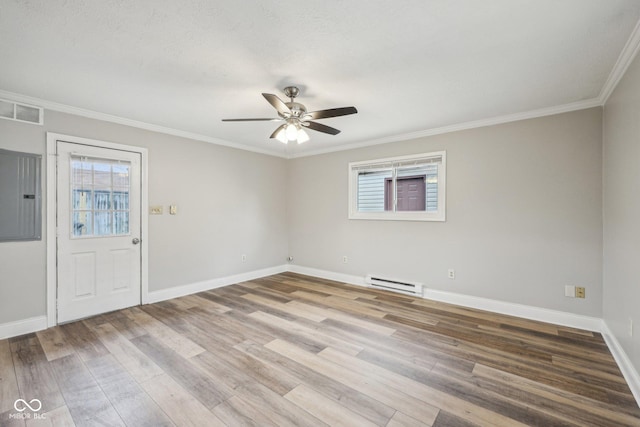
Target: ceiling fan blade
[(331, 112), (275, 132), (321, 128), (252, 120), (277, 104)]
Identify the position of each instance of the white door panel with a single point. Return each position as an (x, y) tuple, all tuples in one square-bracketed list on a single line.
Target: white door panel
[(98, 220)]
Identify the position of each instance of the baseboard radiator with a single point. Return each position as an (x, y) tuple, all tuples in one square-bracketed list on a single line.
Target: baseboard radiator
[(395, 285)]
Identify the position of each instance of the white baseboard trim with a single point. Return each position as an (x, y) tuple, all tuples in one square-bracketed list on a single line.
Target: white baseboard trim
[(24, 326), (512, 309), (624, 363), (329, 275), (530, 312), (206, 285)]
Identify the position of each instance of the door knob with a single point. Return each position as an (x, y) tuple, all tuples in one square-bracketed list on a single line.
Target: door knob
[(135, 241)]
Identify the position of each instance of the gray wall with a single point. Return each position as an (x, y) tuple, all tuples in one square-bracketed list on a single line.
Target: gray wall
[(621, 299), (23, 264), (524, 214), (231, 202)]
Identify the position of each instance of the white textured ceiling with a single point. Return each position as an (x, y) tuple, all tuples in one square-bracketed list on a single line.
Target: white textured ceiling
[(408, 66)]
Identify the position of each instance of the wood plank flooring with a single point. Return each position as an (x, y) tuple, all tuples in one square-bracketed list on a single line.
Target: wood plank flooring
[(292, 350)]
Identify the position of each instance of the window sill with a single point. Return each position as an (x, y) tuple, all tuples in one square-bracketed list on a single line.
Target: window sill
[(398, 216)]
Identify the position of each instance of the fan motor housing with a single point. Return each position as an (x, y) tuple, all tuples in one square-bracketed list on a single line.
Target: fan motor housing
[(297, 109), (291, 91)]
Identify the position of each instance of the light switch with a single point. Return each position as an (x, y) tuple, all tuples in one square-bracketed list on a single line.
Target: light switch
[(155, 210), (173, 209)]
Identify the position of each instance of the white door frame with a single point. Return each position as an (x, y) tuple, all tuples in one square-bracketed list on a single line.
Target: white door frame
[(52, 191)]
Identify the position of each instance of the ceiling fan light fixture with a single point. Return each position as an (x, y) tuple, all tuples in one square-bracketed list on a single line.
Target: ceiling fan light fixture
[(296, 117), (291, 132), (282, 136), (302, 136)]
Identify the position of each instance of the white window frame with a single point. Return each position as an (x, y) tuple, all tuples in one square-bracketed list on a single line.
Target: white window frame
[(440, 215)]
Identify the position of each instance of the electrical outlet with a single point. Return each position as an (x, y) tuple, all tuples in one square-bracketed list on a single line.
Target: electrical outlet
[(570, 291), (580, 292), (244, 257), (155, 210), (345, 259), (451, 273), (290, 259), (630, 327)]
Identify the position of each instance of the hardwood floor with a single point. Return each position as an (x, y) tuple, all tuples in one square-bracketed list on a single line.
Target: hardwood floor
[(300, 351)]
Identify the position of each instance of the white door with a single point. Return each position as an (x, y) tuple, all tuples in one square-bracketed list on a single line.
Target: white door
[(98, 234)]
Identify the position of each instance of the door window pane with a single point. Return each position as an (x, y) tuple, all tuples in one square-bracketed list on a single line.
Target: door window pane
[(121, 175), (102, 200), (120, 200), (102, 223), (99, 197), (82, 224), (121, 222), (81, 199)]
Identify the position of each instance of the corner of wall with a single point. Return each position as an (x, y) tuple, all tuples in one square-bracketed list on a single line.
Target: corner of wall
[(628, 370)]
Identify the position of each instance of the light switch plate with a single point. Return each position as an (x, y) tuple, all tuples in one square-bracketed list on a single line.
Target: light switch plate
[(173, 209), (155, 210)]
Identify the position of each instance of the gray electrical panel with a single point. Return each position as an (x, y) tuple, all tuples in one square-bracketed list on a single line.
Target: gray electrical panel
[(20, 196)]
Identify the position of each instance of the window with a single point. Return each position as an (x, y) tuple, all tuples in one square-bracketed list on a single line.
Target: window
[(99, 197), (399, 188)]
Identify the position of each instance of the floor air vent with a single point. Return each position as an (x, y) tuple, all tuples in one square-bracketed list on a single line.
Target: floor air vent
[(409, 288)]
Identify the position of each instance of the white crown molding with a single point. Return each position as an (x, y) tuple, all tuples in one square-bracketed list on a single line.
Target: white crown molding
[(63, 108), (532, 114), (574, 106), (627, 55)]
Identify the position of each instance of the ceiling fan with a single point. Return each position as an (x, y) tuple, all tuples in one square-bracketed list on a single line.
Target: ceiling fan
[(297, 118)]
